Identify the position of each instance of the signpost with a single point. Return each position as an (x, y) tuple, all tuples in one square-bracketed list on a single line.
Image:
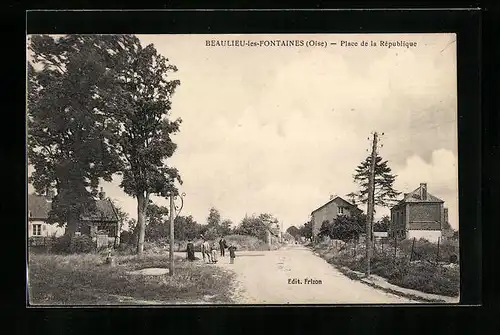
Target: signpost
[(173, 215)]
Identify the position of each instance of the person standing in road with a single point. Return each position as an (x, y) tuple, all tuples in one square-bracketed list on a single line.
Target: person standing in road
[(214, 253), (232, 254), (223, 246), (190, 250)]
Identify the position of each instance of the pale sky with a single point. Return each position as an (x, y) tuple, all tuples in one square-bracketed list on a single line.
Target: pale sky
[(279, 129)]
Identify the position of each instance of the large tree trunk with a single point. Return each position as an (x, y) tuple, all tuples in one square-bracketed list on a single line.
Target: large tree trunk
[(142, 202), (71, 225)]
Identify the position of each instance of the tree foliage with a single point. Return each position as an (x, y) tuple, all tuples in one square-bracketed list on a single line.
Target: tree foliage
[(214, 218), (65, 143), (385, 194), (306, 229), (257, 226), (225, 227), (382, 225), (216, 226), (186, 228), (344, 227), (138, 111), (157, 224)]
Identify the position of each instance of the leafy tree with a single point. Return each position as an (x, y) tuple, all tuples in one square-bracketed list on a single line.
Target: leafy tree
[(256, 225), (186, 228), (225, 227), (138, 110), (325, 229), (294, 231), (209, 233), (214, 218), (157, 226), (130, 235), (123, 216), (65, 142), (384, 192), (306, 230), (382, 225), (347, 227)]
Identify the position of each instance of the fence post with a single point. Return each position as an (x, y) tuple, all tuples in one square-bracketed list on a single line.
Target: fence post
[(412, 246), (437, 256)]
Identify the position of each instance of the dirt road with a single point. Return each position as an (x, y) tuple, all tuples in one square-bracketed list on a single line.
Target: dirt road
[(295, 275)]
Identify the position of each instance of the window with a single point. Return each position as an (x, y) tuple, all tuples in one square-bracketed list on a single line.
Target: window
[(37, 230), (341, 210)]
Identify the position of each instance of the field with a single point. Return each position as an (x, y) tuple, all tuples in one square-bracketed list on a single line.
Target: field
[(85, 279)]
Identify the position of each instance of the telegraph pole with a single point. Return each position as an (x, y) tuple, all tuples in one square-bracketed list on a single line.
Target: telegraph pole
[(371, 203), (172, 213)]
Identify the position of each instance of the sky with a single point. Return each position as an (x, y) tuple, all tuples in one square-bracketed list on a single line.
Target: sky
[(280, 129)]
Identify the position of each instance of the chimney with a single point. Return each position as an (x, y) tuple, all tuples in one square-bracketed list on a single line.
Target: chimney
[(331, 197), (102, 195), (423, 191)]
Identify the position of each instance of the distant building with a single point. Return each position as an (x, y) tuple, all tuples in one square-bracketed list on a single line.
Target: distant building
[(330, 211), (104, 218), (418, 215)]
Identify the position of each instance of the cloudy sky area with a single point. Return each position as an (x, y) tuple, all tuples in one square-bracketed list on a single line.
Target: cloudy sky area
[(280, 129)]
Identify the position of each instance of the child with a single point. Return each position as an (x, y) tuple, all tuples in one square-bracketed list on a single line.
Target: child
[(232, 256), (214, 253)]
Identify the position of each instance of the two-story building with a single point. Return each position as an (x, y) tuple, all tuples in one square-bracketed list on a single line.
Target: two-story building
[(418, 215), (330, 211)]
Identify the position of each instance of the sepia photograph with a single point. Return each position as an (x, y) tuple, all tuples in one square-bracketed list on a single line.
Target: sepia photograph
[(242, 169)]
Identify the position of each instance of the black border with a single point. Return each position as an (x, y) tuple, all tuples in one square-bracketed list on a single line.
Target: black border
[(467, 23)]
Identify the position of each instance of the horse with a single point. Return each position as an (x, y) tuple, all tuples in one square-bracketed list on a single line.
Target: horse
[(206, 250)]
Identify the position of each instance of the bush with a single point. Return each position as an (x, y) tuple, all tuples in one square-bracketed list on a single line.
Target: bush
[(127, 237), (246, 242), (425, 250), (61, 245), (77, 244), (82, 244)]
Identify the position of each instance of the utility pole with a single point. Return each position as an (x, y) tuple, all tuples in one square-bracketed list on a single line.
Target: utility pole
[(172, 213), (371, 203)]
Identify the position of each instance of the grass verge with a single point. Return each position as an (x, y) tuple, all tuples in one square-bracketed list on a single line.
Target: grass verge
[(86, 280), (421, 276)]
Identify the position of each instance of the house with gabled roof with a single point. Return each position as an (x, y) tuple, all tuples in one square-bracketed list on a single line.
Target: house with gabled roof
[(103, 218), (330, 211), (418, 215)]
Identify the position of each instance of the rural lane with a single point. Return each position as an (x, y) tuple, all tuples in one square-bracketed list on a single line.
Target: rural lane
[(265, 277)]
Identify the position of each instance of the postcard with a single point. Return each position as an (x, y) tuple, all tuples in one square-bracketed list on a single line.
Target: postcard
[(242, 169)]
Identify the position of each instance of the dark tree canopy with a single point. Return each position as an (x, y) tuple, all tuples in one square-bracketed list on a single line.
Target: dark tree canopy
[(214, 218), (344, 227), (99, 105), (385, 194), (306, 230), (65, 142), (257, 226), (382, 225)]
